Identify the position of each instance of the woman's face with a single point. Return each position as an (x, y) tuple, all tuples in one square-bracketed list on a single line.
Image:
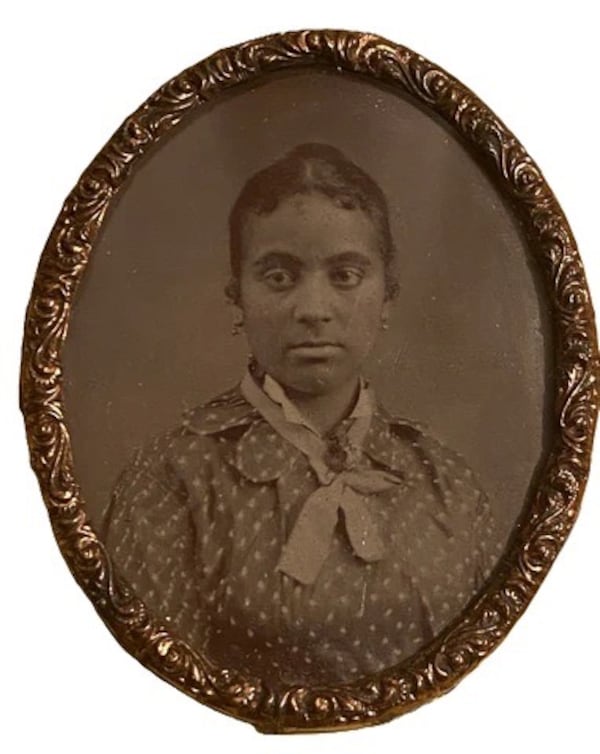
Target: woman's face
[(312, 292)]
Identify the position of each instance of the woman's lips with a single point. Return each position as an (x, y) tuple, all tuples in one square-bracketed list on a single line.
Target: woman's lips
[(316, 349)]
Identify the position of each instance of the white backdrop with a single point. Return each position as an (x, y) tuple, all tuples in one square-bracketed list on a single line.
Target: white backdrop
[(71, 73)]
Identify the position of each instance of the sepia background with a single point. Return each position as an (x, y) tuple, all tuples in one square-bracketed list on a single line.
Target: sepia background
[(150, 333)]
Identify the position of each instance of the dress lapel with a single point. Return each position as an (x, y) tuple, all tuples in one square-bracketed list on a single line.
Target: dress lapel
[(390, 442), (249, 443)]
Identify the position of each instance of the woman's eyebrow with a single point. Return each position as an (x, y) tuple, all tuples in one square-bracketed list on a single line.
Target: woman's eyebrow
[(349, 257), (281, 258)]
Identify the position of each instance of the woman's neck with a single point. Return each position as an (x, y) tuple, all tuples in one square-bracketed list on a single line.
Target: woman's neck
[(324, 412)]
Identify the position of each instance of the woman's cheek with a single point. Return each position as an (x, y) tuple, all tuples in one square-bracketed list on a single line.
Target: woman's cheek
[(366, 309)]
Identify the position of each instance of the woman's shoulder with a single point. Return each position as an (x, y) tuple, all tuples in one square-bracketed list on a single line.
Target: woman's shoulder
[(203, 430), (408, 446), (227, 413)]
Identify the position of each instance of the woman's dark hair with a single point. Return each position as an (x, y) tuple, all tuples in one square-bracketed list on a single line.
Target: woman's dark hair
[(306, 169)]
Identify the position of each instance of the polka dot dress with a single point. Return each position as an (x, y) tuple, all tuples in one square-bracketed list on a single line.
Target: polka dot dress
[(198, 521)]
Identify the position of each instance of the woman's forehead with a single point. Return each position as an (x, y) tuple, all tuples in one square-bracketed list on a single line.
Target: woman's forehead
[(309, 225)]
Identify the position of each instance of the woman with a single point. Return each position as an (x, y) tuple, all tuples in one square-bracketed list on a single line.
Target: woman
[(291, 528)]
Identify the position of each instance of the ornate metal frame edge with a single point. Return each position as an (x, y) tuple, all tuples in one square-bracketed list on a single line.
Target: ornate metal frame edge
[(554, 506)]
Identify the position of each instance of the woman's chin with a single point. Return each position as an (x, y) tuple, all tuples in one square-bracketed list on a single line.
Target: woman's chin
[(315, 379)]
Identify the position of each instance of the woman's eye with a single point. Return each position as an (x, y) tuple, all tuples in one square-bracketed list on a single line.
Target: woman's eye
[(346, 277), (279, 278)]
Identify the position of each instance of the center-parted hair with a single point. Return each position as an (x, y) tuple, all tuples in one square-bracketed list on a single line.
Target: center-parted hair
[(310, 168)]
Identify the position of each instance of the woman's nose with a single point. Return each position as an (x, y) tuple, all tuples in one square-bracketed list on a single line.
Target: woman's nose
[(313, 300)]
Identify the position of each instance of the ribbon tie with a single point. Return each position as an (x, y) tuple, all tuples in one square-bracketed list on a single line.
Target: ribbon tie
[(309, 543), (345, 487)]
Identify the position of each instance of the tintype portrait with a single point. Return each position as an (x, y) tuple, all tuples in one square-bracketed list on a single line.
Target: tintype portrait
[(291, 526), (289, 415)]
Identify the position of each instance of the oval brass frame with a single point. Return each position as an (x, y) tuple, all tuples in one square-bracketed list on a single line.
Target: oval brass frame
[(553, 509)]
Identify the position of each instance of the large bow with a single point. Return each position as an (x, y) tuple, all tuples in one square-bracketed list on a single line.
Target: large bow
[(344, 487), (309, 543)]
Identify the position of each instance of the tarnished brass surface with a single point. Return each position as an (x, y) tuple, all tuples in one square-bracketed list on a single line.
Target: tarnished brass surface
[(544, 526)]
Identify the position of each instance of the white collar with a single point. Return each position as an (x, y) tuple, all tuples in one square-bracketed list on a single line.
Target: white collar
[(362, 407)]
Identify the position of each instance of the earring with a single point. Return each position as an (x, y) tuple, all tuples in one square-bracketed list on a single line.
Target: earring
[(237, 326), (254, 367), (385, 325)]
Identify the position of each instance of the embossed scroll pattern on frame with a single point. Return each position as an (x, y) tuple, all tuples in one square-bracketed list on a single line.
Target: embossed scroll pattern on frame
[(553, 509)]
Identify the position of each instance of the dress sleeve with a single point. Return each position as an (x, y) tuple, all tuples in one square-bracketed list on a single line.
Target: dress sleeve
[(475, 530), (150, 535), (459, 505), (485, 538)]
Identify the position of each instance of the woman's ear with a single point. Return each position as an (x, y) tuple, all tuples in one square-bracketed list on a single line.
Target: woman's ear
[(385, 314), (232, 292), (238, 322), (392, 287)]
